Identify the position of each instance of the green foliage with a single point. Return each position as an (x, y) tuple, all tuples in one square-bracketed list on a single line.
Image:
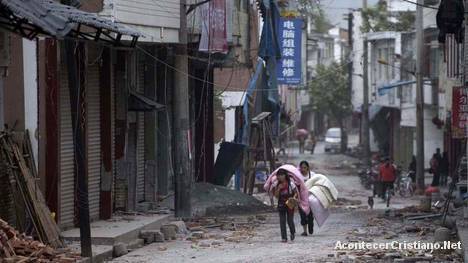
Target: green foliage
[(315, 12), (320, 20), (330, 93), (376, 19)]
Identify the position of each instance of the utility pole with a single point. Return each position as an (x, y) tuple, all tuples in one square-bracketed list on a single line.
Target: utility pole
[(76, 62), (350, 52), (419, 98), (182, 173), (465, 69), (365, 105)]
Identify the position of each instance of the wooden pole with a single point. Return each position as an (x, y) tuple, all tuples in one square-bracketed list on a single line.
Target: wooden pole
[(182, 164)]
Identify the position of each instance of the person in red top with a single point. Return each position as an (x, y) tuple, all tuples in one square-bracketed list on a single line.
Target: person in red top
[(387, 174)]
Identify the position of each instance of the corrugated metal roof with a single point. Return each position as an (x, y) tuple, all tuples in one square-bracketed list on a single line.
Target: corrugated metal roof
[(77, 16), (37, 14), (61, 20)]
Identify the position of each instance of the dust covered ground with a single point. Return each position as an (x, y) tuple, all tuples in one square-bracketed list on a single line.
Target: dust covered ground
[(255, 237)]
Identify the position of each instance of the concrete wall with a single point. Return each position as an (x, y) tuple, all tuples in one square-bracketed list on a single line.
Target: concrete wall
[(158, 20), (31, 93)]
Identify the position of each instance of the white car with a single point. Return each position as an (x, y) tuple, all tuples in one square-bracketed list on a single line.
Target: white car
[(333, 140)]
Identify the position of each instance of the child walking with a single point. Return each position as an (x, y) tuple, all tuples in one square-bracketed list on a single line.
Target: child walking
[(286, 192)]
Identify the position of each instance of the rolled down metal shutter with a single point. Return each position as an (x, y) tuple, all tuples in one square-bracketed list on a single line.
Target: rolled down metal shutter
[(140, 162), (93, 125), (67, 155), (141, 157)]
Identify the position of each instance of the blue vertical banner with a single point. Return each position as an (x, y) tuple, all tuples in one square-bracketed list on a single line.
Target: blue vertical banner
[(290, 42)]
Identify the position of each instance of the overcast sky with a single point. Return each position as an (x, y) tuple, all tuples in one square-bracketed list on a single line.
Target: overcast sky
[(336, 8)]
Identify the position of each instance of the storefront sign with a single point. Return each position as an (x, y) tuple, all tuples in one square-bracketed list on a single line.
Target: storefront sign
[(290, 41), (459, 112)]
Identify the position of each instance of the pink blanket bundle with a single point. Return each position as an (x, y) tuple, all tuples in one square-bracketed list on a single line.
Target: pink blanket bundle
[(296, 176)]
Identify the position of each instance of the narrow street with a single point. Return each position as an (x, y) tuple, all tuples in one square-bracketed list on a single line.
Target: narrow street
[(257, 238), (151, 130)]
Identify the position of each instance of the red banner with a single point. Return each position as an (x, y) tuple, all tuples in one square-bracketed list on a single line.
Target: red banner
[(213, 23), (459, 112)]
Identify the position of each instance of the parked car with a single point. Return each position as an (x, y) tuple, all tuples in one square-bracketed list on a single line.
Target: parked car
[(333, 140)]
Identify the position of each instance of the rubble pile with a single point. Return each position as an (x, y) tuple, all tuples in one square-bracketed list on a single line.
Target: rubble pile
[(347, 205), (212, 232), (388, 229), (214, 200), (16, 247), (347, 202)]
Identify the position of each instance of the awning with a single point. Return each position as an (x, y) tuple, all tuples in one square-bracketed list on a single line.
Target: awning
[(138, 102), (394, 85), (30, 18)]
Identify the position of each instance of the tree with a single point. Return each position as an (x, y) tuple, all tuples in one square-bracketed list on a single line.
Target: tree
[(331, 96), (377, 19), (313, 11)]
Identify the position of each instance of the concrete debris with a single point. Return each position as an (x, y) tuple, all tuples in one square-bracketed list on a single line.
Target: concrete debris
[(383, 228), (390, 235), (147, 236), (228, 227), (198, 234), (120, 249), (412, 229), (233, 239), (180, 227), (216, 236), (392, 255), (169, 232), (442, 234), (162, 248), (347, 202), (158, 236), (216, 243), (204, 244), (213, 200), (16, 247)]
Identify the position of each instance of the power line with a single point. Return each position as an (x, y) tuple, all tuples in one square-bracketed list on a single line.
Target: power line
[(417, 4), (218, 85)]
